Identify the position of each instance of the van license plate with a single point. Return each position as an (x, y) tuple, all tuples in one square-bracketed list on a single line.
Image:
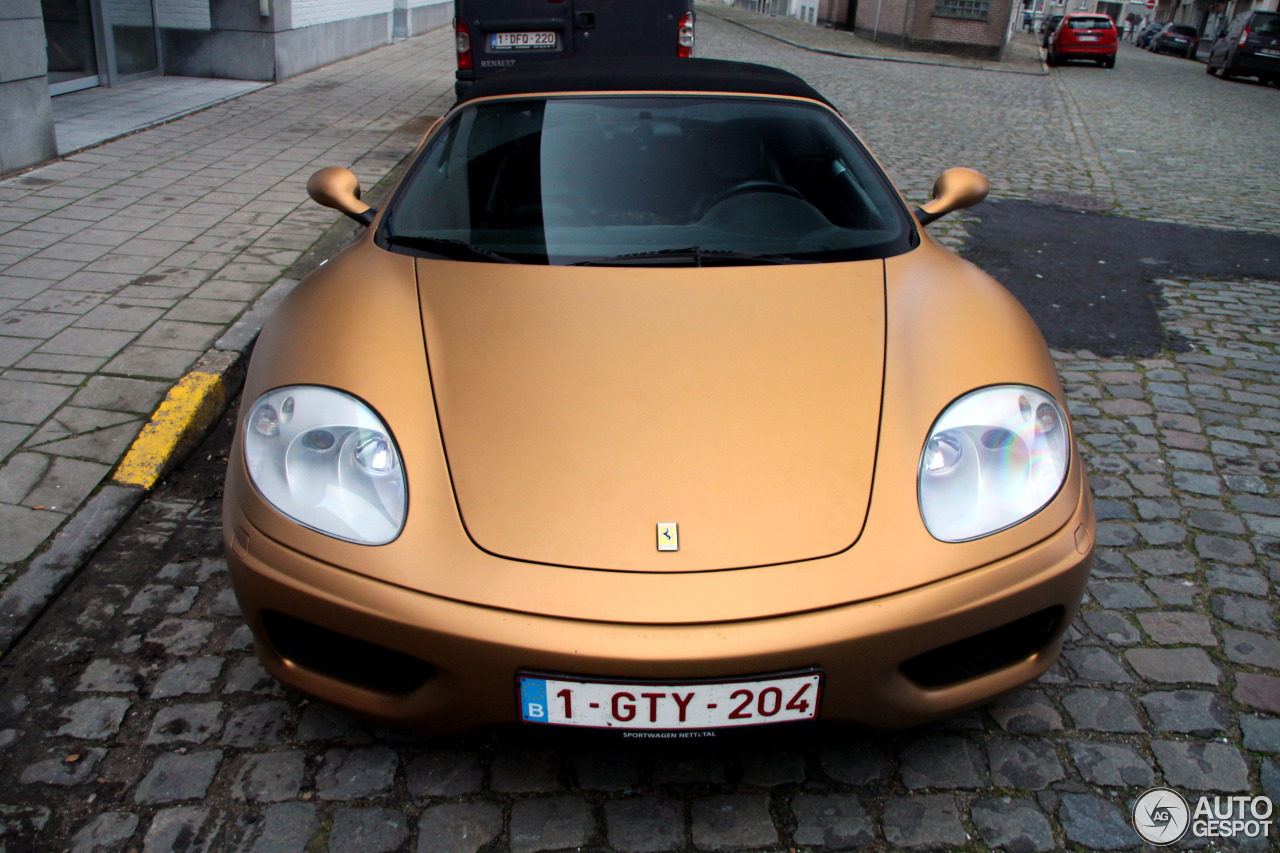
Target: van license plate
[(522, 41), (669, 706)]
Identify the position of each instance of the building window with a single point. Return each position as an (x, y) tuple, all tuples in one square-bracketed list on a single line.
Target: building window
[(975, 10)]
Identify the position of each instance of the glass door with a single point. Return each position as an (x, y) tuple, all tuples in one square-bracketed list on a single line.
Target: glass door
[(132, 24), (70, 43)]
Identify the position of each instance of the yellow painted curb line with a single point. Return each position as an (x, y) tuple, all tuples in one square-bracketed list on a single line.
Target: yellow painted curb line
[(188, 408)]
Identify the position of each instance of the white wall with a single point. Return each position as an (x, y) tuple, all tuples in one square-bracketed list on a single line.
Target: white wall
[(307, 13), (184, 14), (804, 10), (129, 13)]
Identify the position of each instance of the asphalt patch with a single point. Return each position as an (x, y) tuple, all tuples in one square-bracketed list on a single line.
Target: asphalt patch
[(1089, 278)]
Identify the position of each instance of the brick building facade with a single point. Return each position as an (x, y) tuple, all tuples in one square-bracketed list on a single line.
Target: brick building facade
[(977, 28)]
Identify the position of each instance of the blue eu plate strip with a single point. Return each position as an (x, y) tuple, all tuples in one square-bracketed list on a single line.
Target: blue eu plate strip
[(533, 700)]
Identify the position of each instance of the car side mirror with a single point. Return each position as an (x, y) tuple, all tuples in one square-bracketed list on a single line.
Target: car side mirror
[(955, 189), (339, 189)]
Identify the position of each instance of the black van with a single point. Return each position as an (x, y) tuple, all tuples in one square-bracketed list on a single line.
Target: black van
[(1249, 47), (496, 34)]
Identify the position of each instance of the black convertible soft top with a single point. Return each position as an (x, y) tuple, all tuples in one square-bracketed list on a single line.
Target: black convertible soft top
[(642, 74)]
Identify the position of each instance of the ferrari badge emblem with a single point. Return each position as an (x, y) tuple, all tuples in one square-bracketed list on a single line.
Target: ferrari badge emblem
[(668, 536)]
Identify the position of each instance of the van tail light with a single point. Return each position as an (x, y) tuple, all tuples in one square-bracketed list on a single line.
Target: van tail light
[(1244, 37), (685, 41), (462, 41)]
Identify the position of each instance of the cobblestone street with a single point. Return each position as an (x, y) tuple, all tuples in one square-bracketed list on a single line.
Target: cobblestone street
[(135, 717), (1165, 137), (1156, 138)]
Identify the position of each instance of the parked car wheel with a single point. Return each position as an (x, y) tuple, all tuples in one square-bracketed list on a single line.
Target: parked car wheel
[(1109, 62), (1210, 70)]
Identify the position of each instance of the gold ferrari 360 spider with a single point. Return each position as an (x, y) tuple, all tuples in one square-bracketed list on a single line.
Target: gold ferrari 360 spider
[(646, 403)]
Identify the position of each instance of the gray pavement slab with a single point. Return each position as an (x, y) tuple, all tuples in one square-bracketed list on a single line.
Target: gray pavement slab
[(89, 118)]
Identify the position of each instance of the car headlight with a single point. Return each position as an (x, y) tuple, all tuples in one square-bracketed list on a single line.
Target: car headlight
[(324, 459), (993, 458)]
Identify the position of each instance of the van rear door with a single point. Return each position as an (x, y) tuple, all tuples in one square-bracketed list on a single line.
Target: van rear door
[(627, 27)]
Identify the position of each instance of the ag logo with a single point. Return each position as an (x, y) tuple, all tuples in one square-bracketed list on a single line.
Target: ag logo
[(1161, 816)]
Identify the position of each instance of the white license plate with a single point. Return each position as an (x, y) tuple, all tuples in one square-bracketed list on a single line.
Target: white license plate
[(1088, 38), (522, 41), (657, 706)]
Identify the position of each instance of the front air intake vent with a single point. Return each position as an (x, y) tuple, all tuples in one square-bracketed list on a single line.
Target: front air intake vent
[(985, 652), (344, 658)]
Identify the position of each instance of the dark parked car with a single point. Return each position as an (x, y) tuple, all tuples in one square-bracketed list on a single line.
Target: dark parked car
[(1084, 36), (1144, 37), (1181, 39), (1249, 47), (1050, 24)]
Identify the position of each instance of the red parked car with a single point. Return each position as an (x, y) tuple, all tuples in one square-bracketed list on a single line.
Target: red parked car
[(1084, 36)]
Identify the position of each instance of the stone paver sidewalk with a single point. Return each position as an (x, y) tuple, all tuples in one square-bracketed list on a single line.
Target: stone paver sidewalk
[(122, 265)]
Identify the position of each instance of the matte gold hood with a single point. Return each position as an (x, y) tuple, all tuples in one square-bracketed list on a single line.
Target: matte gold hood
[(582, 406)]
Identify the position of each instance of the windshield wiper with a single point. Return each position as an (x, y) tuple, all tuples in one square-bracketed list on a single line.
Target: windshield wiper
[(695, 254), (456, 250)]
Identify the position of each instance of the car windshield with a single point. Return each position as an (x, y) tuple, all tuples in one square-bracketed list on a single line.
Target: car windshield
[(1088, 23), (641, 180)]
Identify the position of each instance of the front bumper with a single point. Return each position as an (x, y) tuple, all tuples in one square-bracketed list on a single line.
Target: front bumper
[(474, 652)]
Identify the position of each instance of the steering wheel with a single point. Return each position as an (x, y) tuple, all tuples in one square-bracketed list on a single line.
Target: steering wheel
[(755, 186)]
